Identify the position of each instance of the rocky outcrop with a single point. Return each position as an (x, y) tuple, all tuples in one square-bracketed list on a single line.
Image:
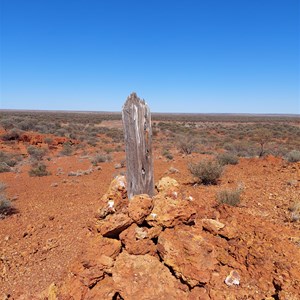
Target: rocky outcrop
[(159, 248), (188, 254), (145, 277)]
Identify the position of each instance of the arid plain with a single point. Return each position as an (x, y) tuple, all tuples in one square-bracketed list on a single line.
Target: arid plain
[(242, 223)]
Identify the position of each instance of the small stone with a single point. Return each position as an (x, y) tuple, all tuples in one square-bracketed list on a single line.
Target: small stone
[(118, 166), (140, 206), (140, 233), (233, 278), (173, 170), (54, 184), (212, 225), (166, 183)]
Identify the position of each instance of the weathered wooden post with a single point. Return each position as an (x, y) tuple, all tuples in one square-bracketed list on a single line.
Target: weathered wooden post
[(138, 139)]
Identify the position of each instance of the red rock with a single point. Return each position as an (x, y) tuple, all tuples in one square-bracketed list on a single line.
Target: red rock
[(145, 277), (190, 256), (113, 225), (134, 244), (198, 293), (211, 225), (166, 184), (168, 212), (139, 207), (106, 246), (104, 289)]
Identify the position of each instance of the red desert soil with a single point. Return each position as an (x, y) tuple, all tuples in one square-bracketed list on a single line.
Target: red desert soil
[(52, 225)]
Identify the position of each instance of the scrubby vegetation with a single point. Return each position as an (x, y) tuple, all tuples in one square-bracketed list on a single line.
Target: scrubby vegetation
[(67, 150), (187, 144), (38, 170), (227, 159), (293, 156), (206, 171), (167, 154), (36, 153), (230, 197), (243, 136), (7, 161), (295, 211), (100, 158), (6, 206)]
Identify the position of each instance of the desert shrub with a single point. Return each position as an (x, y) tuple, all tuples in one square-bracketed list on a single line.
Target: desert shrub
[(92, 141), (230, 197), (48, 140), (5, 206), (67, 149), (27, 124), (119, 148), (12, 135), (115, 134), (7, 161), (61, 132), (4, 167), (295, 211), (36, 153), (187, 144), (38, 170), (227, 159), (100, 158), (166, 153), (7, 123), (293, 156), (207, 171), (243, 148), (108, 150), (2, 187)]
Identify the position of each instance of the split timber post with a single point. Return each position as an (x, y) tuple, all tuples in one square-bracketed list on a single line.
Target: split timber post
[(138, 139)]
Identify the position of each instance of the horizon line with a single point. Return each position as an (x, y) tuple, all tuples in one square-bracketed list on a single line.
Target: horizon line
[(155, 113)]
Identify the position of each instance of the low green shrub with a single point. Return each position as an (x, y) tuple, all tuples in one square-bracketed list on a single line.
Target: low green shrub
[(293, 156), (207, 171), (167, 154), (8, 160), (295, 211), (227, 158), (187, 144), (230, 197), (100, 158), (36, 153), (38, 170), (5, 206), (67, 150), (4, 167)]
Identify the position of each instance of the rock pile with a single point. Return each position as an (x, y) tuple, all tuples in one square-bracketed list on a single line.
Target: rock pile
[(161, 248)]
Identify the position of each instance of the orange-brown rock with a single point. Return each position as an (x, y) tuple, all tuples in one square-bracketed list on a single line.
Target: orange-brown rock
[(166, 184), (104, 289), (211, 225), (116, 191), (113, 224), (145, 277), (190, 256), (139, 207), (134, 244), (198, 293), (168, 212)]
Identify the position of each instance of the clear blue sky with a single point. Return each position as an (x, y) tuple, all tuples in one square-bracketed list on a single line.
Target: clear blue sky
[(233, 56)]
